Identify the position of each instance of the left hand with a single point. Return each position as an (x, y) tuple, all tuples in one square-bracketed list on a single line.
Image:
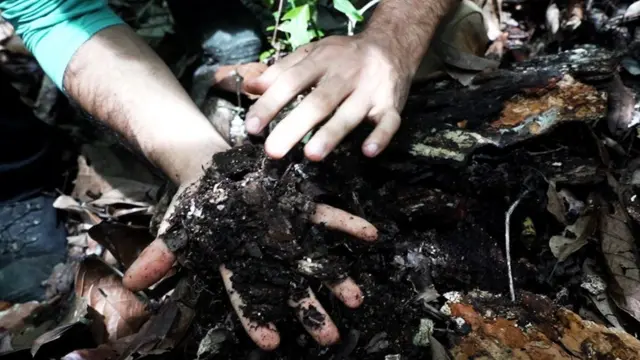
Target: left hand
[(359, 77)]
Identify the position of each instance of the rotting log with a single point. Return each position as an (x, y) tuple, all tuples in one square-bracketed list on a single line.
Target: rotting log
[(534, 328), (444, 121)]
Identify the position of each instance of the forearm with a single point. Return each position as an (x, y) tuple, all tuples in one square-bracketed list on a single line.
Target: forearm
[(118, 79), (406, 27)]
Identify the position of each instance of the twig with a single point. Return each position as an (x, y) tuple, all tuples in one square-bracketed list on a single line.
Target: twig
[(275, 31), (507, 227)]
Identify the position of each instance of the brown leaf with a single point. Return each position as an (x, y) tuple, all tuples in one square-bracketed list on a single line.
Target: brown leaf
[(620, 253), (555, 204), (102, 352), (15, 316), (123, 312), (620, 103), (575, 14), (595, 287), (104, 167), (61, 340), (67, 203), (574, 237), (124, 242)]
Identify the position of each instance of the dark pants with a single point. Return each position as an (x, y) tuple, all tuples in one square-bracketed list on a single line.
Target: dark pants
[(27, 162)]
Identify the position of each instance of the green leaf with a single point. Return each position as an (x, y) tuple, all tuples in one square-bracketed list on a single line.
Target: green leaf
[(347, 8), (298, 35), (300, 13), (266, 54), (296, 24)]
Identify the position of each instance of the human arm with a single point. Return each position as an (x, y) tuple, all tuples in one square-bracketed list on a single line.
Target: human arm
[(366, 76)]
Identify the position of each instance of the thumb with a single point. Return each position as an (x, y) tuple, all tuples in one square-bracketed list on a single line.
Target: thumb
[(156, 260)]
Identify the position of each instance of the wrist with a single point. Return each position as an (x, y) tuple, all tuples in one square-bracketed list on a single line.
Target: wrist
[(399, 56), (184, 156), (404, 29)]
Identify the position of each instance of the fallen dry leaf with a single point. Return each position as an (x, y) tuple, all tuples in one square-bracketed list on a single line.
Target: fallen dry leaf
[(555, 204), (102, 352), (124, 242), (492, 14), (620, 103), (620, 253), (575, 14), (574, 237), (67, 203), (5, 341), (552, 17), (123, 312), (14, 317), (596, 289), (104, 167), (62, 340)]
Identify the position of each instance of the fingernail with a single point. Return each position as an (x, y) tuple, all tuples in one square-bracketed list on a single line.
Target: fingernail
[(371, 149), (252, 125), (315, 148)]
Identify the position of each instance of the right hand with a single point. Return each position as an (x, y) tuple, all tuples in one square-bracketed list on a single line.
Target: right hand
[(156, 261)]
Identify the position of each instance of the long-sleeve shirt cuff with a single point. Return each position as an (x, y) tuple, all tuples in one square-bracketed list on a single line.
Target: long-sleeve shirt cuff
[(53, 30)]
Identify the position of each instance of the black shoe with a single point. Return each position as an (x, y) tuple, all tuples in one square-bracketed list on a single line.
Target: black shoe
[(32, 241)]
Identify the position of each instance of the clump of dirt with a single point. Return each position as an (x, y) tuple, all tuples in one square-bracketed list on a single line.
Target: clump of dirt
[(440, 229)]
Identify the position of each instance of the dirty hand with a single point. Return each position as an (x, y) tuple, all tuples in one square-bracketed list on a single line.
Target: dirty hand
[(359, 77), (156, 261)]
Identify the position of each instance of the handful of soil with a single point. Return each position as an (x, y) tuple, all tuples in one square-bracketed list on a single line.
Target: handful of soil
[(251, 214)]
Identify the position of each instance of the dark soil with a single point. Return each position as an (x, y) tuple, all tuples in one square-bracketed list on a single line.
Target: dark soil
[(440, 228)]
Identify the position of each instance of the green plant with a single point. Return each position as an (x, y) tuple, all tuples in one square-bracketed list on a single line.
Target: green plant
[(296, 20)]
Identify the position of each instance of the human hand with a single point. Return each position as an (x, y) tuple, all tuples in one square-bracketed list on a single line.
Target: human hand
[(225, 79), (156, 261), (359, 77)]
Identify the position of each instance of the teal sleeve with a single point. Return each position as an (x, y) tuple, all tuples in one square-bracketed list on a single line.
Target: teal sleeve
[(54, 29)]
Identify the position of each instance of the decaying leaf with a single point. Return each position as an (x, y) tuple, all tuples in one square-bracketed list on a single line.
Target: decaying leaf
[(67, 203), (123, 312), (438, 351), (103, 352), (596, 289), (574, 237), (620, 253), (62, 340), (552, 17), (575, 15), (14, 317), (492, 14), (555, 204), (124, 242), (621, 103)]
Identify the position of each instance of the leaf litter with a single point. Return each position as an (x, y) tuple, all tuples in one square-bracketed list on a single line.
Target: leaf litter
[(442, 213)]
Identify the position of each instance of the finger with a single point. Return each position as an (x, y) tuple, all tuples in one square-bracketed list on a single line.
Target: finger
[(225, 79), (345, 119), (151, 266), (288, 85), (156, 259), (348, 292), (266, 337), (260, 84), (315, 319), (317, 106), (340, 220), (381, 136)]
